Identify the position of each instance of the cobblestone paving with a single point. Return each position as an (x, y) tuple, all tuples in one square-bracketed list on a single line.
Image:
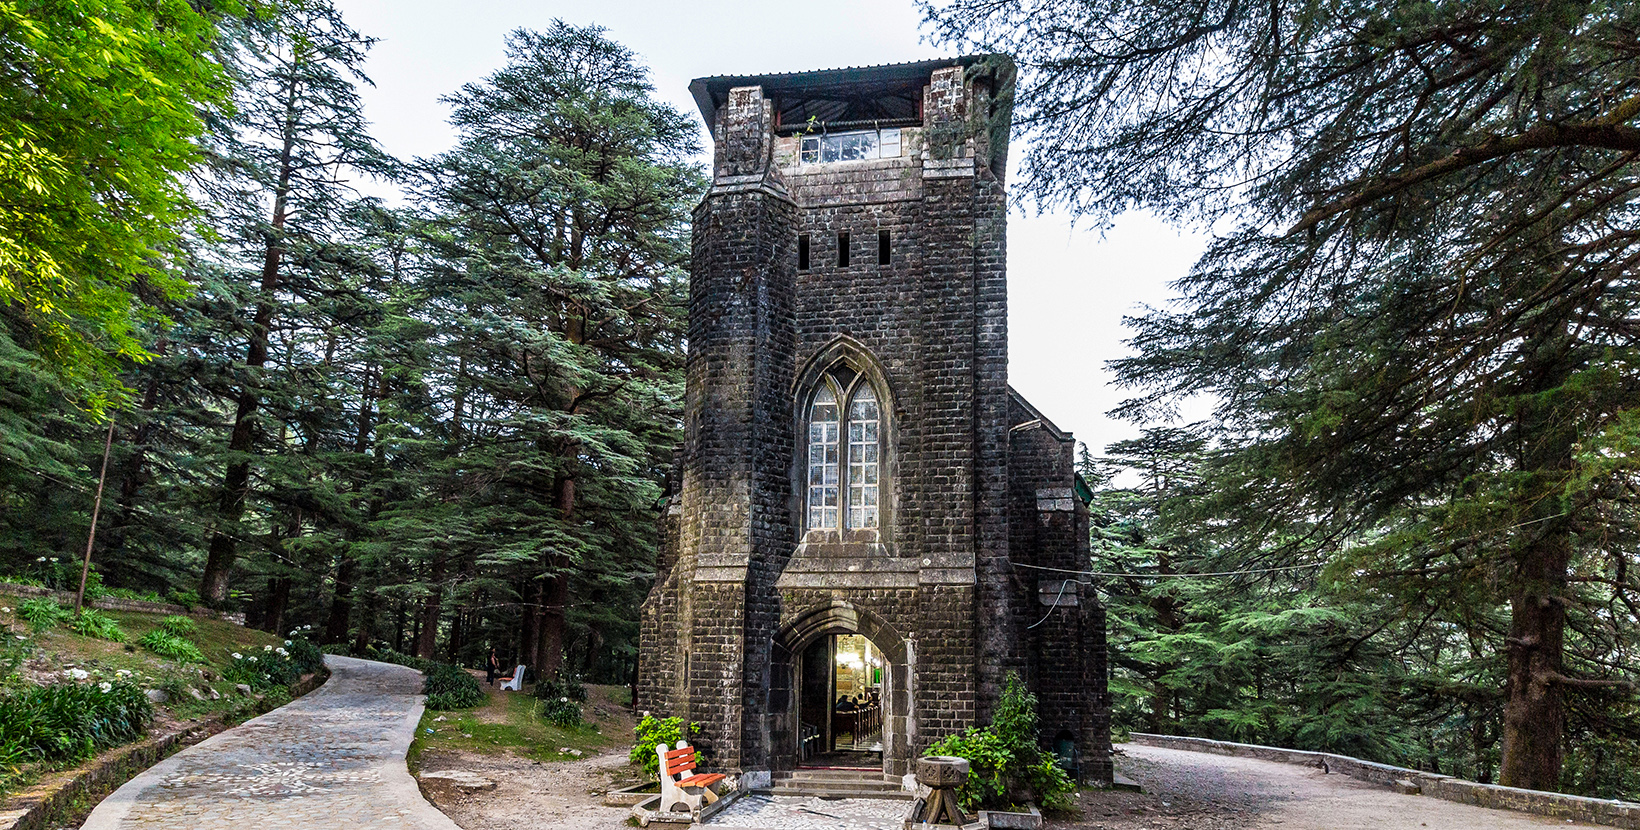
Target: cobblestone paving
[(333, 759), (792, 812)]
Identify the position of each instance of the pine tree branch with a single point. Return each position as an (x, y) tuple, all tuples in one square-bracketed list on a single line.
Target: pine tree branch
[(1607, 133)]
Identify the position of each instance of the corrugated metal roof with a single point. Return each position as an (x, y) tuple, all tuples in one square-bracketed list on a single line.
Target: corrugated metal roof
[(711, 92)]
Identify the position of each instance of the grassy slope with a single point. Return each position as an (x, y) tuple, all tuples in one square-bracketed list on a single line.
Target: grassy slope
[(507, 723), (53, 652)]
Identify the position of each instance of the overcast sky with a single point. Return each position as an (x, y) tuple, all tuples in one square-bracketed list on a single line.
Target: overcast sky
[(1068, 287)]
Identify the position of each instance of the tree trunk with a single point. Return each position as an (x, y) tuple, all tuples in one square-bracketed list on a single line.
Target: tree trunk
[(219, 559), (273, 617), (550, 649), (1534, 714), (367, 622), (427, 638), (341, 603), (530, 630), (398, 625), (1534, 718), (458, 633)]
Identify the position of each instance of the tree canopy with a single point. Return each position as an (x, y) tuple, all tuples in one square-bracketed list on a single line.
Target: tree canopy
[(98, 124), (1417, 315), (439, 429)]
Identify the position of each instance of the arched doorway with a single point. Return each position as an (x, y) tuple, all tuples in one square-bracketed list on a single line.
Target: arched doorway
[(841, 653)]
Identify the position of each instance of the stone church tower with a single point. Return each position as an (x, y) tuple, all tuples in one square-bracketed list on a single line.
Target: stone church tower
[(860, 544)]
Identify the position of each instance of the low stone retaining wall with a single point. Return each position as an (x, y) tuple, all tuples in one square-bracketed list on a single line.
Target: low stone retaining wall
[(62, 796), (116, 604), (1594, 810)]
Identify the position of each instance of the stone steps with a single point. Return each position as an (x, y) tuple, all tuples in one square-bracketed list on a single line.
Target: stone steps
[(835, 783)]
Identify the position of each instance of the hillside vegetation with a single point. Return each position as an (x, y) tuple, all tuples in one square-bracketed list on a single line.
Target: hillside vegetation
[(67, 694)]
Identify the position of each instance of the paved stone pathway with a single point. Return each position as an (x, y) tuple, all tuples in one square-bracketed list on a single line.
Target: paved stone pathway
[(793, 812), (333, 759), (1182, 786)]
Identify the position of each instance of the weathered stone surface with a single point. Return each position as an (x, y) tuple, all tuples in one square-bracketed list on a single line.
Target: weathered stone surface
[(942, 771)]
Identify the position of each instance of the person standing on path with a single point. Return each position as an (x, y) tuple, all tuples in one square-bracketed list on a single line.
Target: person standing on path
[(492, 667)]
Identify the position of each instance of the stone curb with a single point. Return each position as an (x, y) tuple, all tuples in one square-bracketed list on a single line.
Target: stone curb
[(117, 604), (65, 794), (1611, 813)]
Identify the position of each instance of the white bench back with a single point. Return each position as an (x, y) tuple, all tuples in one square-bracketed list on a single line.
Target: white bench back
[(517, 681)]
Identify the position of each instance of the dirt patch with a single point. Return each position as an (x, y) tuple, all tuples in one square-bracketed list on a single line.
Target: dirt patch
[(533, 792), (528, 794)]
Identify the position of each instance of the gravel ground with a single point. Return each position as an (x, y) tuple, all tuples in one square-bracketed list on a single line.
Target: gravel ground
[(529, 794), (1199, 791)]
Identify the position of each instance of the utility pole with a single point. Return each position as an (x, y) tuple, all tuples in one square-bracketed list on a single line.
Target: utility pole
[(96, 509)]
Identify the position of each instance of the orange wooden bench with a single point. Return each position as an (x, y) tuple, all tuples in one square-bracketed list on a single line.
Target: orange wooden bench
[(680, 784)]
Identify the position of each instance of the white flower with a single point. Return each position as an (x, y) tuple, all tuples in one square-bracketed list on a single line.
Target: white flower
[(123, 673), (21, 637), (252, 658), (283, 653), (78, 674), (238, 656), (41, 559), (106, 687), (288, 643), (267, 648), (5, 610), (563, 700), (54, 559)]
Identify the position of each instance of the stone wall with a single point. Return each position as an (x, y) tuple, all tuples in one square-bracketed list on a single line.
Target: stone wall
[(1063, 624)]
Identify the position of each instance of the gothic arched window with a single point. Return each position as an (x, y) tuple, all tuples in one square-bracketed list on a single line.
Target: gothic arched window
[(832, 503)]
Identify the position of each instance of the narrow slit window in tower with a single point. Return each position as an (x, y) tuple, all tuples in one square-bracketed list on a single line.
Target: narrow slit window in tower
[(803, 252), (842, 249), (882, 247)]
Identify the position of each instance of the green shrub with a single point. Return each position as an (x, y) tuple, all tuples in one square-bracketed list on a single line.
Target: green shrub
[(1006, 767), (305, 656), (70, 721), (561, 700), (57, 573), (166, 644), (42, 613), (262, 670), (651, 732), (129, 593), (186, 598), (560, 711), (451, 687), (94, 623), (179, 626)]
